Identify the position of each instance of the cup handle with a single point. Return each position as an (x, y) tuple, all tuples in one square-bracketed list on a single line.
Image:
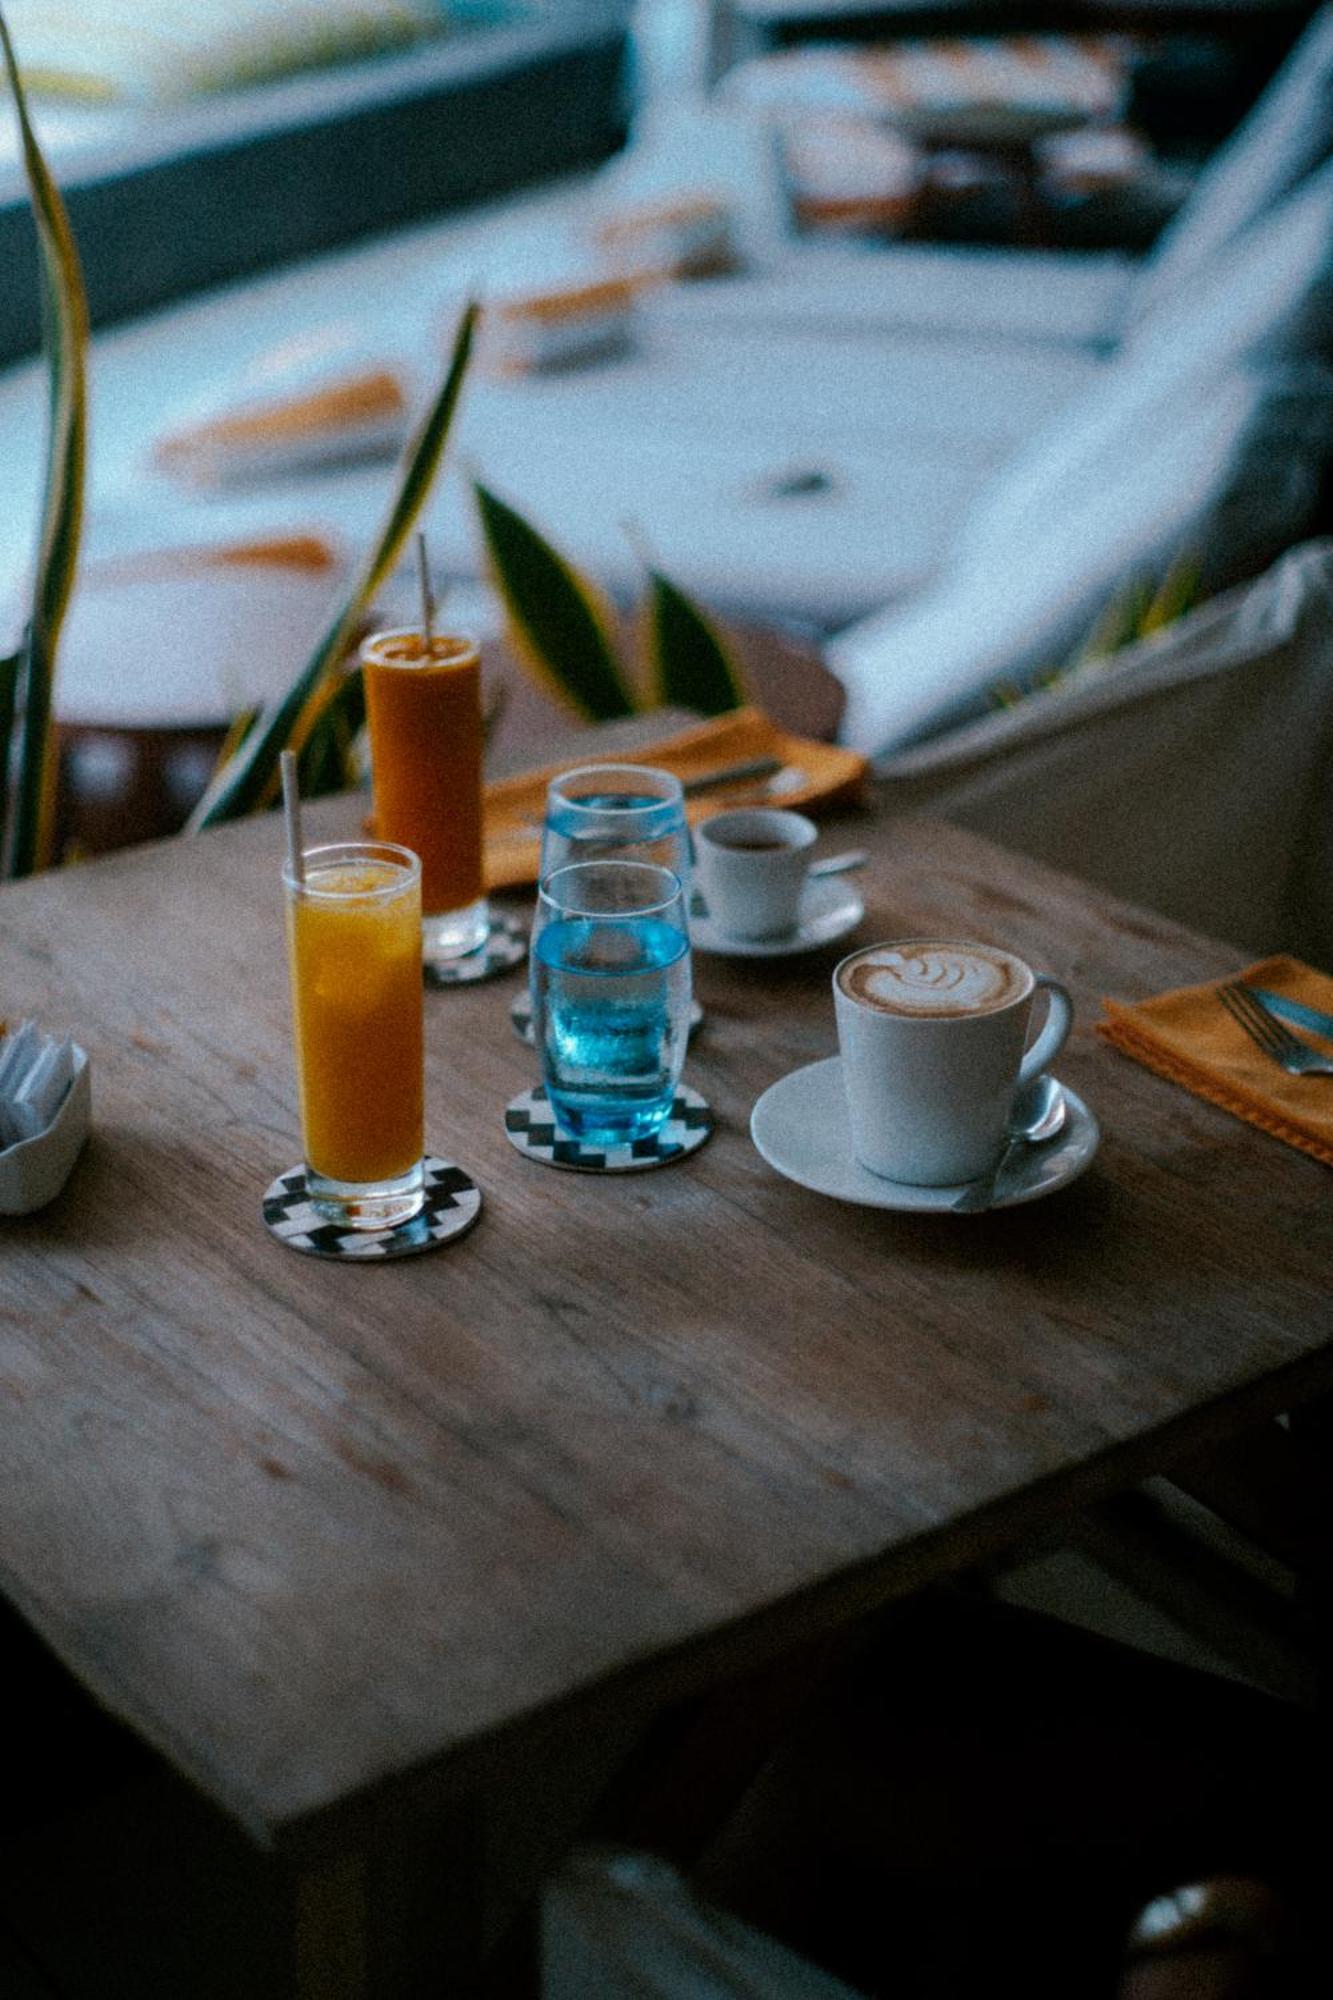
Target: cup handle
[(1055, 1029)]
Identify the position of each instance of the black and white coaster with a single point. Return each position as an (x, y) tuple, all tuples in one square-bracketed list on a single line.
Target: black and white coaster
[(520, 1015), (506, 946), (530, 1127), (452, 1205)]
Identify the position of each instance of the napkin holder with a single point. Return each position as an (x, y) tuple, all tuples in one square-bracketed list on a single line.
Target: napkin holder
[(33, 1171)]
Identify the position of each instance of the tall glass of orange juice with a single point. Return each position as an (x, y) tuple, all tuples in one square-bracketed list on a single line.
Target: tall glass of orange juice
[(423, 703), (354, 938)]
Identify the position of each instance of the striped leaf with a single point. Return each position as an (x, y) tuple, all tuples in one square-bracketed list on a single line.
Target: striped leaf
[(691, 666), (558, 624), (1177, 593), (251, 777), (327, 763), (1116, 626), (65, 339)]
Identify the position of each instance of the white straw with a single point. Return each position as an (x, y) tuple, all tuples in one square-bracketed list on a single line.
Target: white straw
[(427, 602), (291, 801)]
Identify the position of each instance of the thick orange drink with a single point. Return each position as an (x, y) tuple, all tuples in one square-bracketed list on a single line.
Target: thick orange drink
[(424, 711), (354, 933)]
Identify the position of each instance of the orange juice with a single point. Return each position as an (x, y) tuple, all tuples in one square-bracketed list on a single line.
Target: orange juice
[(354, 932), (424, 712)]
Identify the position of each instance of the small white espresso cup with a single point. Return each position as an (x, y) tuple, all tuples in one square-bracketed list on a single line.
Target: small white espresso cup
[(932, 1034), (752, 867)]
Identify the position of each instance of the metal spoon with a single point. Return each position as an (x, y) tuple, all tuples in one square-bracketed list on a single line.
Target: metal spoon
[(1039, 1113), (840, 864)]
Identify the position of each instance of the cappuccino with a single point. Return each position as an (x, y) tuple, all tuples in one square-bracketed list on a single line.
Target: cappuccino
[(933, 1035), (934, 979)]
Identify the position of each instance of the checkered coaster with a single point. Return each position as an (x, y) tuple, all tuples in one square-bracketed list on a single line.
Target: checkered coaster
[(506, 946), (531, 1128), (452, 1205)]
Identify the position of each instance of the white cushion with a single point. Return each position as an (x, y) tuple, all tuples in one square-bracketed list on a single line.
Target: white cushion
[(1226, 479), (1190, 774), (1067, 297), (1269, 291), (880, 445), (1287, 134), (1271, 298)]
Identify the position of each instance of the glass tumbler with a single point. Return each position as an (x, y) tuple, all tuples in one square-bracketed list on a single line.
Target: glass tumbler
[(424, 711), (626, 812), (610, 973), (354, 940)]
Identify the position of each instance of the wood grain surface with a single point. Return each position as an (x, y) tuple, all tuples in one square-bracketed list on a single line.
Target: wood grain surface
[(328, 1536)]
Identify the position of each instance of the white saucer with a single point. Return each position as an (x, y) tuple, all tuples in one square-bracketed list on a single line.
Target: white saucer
[(800, 1126), (830, 907)]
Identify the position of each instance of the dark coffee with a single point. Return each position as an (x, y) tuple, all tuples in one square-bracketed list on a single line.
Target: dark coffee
[(748, 843)]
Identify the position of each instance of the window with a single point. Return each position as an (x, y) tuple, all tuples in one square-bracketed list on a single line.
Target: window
[(198, 141)]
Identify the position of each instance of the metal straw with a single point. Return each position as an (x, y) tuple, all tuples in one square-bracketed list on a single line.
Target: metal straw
[(291, 802), (427, 601)]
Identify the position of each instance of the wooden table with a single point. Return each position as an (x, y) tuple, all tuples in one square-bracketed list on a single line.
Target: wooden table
[(347, 1546)]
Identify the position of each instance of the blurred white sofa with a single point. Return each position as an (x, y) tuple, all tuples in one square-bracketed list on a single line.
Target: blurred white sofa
[(1073, 297), (1203, 437), (839, 432), (1193, 772)]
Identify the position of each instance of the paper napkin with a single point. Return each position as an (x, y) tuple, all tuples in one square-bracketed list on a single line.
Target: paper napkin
[(1188, 1036), (35, 1072)]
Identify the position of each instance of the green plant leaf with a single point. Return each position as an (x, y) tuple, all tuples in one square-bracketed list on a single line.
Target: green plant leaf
[(252, 773), (1117, 626), (1177, 593), (557, 624), (326, 762), (65, 339), (691, 666)]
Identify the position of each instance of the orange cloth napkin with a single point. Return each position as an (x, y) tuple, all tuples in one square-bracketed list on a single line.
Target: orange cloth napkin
[(515, 806), (1189, 1037)]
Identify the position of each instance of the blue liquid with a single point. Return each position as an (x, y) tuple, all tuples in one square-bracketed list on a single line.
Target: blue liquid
[(611, 1005), (631, 826), (613, 802)]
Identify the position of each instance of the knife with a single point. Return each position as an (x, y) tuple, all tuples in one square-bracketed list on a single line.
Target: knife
[(731, 774), (1295, 1012)]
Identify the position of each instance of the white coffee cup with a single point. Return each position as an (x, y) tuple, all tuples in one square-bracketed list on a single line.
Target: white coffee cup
[(752, 867), (932, 1033)]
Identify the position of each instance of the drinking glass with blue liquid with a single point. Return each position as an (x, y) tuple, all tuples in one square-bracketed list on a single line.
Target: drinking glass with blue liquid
[(626, 812), (610, 970)]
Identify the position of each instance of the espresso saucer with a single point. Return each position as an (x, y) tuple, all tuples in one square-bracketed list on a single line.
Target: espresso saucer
[(830, 907), (800, 1126)]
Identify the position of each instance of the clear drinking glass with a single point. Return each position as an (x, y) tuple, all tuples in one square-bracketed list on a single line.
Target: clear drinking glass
[(606, 812), (610, 973), (354, 938)]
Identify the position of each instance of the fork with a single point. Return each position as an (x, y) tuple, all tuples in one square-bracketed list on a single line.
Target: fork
[(1286, 1049)]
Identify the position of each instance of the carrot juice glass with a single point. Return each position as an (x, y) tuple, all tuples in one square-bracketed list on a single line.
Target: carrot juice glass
[(354, 937), (423, 705)]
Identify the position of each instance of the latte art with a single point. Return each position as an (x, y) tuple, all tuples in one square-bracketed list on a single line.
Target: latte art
[(935, 979)]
